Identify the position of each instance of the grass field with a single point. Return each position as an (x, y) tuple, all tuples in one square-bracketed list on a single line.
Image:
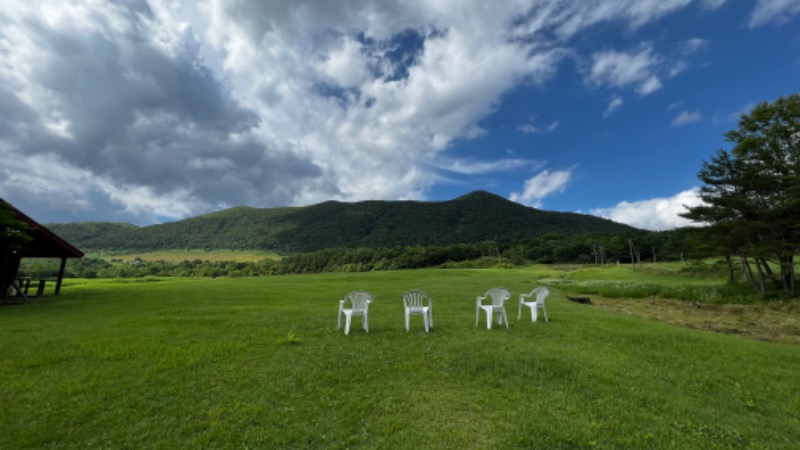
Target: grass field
[(258, 363), (176, 256)]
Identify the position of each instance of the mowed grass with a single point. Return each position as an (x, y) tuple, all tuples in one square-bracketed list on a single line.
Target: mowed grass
[(258, 363)]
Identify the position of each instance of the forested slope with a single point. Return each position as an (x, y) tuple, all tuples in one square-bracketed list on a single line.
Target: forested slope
[(479, 216)]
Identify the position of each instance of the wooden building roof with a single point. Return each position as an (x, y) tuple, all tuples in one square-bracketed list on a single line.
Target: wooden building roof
[(45, 243)]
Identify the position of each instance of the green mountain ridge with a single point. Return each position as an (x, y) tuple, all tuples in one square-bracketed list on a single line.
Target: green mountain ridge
[(475, 217)]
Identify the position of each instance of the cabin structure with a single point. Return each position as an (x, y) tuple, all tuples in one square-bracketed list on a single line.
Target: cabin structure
[(43, 244)]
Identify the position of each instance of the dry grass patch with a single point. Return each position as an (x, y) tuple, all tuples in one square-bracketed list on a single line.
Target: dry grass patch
[(777, 321)]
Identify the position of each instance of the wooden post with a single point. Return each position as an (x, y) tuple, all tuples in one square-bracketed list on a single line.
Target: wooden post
[(60, 275)]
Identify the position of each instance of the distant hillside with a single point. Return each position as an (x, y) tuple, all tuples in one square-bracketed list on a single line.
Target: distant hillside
[(475, 217)]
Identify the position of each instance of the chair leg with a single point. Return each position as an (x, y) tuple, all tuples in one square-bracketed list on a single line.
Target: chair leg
[(347, 324), (407, 319), (425, 321), (339, 324), (545, 314), (519, 314), (489, 319), (505, 318), (365, 317), (534, 313)]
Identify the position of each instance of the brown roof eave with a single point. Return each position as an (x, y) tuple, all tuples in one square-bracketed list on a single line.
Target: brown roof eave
[(69, 251)]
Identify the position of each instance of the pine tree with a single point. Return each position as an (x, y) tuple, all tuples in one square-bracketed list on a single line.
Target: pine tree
[(752, 192)]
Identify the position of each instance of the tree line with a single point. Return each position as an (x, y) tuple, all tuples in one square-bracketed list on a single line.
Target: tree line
[(545, 249)]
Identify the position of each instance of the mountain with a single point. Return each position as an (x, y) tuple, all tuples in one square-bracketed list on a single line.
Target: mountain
[(475, 217)]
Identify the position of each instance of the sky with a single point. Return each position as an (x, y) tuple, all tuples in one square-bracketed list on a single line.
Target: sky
[(146, 111)]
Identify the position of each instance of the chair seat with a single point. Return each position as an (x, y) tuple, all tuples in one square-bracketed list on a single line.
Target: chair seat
[(498, 297), (359, 307), (416, 302), (539, 294)]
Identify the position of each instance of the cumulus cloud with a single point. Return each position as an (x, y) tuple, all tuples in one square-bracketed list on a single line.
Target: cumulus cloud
[(654, 214), (773, 11), (347, 66), (114, 95), (160, 108), (544, 184), (686, 117)]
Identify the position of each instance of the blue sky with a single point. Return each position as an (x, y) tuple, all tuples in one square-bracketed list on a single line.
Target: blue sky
[(146, 111)]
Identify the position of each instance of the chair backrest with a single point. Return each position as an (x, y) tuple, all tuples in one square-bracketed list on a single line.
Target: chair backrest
[(358, 299), (416, 299), (499, 295), (541, 292)]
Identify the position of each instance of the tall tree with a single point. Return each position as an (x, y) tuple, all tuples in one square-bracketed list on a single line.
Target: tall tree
[(751, 192), (13, 232)]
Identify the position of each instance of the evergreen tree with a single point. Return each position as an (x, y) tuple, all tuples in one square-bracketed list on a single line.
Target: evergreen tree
[(751, 192)]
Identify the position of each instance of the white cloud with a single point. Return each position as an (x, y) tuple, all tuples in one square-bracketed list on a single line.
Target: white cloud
[(613, 106), (173, 108), (401, 114), (572, 17), (675, 105), (713, 4), (544, 184), (773, 11), (531, 128), (691, 46), (641, 69), (468, 167), (346, 65), (620, 69), (81, 193), (654, 214), (686, 117)]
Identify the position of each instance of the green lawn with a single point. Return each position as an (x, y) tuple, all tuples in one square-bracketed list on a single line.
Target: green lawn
[(258, 363)]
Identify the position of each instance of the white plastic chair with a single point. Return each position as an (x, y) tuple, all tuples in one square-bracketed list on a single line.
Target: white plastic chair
[(540, 293), (359, 306), (418, 302), (499, 297)]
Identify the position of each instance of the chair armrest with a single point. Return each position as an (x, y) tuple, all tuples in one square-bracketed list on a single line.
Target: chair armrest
[(521, 296)]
